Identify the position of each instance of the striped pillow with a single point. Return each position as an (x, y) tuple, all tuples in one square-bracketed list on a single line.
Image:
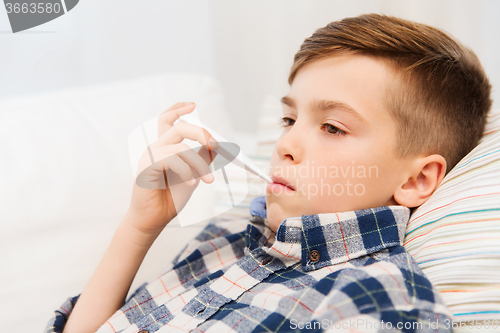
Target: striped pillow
[(454, 236)]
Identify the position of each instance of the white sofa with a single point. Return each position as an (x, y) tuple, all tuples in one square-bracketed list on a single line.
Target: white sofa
[(66, 181)]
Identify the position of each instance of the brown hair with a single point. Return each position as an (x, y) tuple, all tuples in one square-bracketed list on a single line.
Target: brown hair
[(442, 95)]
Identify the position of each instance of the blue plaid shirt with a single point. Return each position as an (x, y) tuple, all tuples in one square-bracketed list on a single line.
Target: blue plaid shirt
[(325, 272)]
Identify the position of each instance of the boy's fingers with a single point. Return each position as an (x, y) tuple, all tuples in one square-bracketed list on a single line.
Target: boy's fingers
[(184, 130), (177, 106), (167, 119), (198, 164), (211, 145), (207, 155), (177, 165)]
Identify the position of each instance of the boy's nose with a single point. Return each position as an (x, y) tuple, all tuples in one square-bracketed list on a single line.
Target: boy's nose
[(290, 146)]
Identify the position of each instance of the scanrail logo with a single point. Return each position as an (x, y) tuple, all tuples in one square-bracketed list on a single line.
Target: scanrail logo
[(28, 14)]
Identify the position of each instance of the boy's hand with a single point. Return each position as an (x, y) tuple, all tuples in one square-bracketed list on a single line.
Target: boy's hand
[(152, 208)]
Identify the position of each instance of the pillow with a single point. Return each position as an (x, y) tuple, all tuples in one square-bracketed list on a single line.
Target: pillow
[(454, 236)]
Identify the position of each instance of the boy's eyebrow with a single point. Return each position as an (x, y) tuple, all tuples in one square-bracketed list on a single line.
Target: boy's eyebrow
[(322, 105)]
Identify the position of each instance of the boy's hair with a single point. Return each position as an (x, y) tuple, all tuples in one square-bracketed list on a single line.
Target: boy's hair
[(441, 96)]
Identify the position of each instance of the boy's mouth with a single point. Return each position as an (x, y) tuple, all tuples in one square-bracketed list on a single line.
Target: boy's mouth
[(281, 181)]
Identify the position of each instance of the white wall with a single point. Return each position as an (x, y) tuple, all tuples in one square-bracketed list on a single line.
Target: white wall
[(106, 40), (255, 42), (247, 45)]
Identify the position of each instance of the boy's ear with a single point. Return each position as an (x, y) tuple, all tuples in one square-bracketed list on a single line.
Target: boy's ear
[(427, 174)]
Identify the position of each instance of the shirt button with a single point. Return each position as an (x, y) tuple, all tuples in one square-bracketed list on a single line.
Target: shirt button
[(314, 255), (143, 331), (267, 260)]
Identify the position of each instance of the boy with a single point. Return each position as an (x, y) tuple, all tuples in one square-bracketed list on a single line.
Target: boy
[(400, 103)]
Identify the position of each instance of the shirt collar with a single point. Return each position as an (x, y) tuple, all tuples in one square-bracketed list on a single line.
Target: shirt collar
[(338, 237)]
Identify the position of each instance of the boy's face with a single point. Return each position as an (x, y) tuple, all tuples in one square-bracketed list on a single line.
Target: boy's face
[(339, 155)]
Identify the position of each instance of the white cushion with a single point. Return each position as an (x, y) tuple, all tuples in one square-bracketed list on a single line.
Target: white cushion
[(66, 182)]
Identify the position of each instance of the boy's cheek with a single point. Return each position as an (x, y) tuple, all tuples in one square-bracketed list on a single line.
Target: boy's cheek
[(358, 191)]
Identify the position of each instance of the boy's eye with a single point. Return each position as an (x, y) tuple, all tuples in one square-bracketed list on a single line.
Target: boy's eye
[(331, 129), (334, 129), (285, 120)]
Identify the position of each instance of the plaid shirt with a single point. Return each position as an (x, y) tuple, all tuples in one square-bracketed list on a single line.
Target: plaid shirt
[(336, 272)]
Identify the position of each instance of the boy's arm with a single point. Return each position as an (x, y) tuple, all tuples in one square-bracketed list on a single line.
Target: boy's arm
[(152, 207), (106, 291)]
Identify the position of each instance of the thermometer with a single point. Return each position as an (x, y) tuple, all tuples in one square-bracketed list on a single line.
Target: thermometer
[(227, 151)]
